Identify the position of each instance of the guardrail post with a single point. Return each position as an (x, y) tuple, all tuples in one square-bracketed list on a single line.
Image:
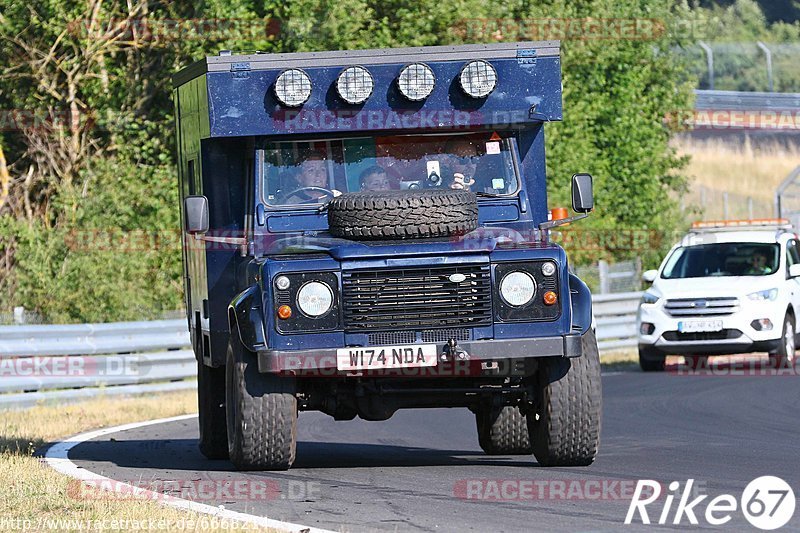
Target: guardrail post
[(19, 315), (768, 54), (605, 283), (710, 63), (725, 205)]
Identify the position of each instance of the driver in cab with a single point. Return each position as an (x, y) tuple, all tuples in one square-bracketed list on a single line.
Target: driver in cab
[(758, 265), (312, 182)]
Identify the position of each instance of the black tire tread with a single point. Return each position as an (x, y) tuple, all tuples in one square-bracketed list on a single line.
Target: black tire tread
[(569, 407), (403, 214), (503, 431), (265, 418), (651, 360)]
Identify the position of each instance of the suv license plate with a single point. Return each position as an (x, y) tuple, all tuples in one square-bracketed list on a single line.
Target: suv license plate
[(379, 357), (694, 326)]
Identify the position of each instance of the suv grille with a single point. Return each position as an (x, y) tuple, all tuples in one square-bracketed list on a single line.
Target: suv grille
[(685, 307), (417, 298), (702, 335)]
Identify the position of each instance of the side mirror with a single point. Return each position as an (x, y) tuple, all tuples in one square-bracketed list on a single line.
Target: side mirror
[(650, 275), (582, 195), (195, 214), (794, 271)]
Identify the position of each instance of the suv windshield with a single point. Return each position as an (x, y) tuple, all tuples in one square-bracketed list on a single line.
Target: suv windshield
[(312, 172), (722, 259)]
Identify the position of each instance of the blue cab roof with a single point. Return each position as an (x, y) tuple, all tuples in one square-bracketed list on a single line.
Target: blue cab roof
[(233, 95)]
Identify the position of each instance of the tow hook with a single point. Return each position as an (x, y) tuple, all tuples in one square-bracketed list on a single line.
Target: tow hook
[(452, 352)]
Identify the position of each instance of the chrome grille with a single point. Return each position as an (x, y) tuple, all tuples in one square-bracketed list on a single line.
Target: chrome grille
[(703, 307)]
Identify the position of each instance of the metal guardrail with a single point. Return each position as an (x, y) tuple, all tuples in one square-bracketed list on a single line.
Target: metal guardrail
[(68, 362), (745, 100), (615, 316)]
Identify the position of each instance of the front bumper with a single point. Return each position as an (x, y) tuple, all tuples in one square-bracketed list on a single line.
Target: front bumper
[(737, 335), (513, 353)]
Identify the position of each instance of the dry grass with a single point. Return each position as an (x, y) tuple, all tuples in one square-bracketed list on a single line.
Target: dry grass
[(744, 170), (35, 497)]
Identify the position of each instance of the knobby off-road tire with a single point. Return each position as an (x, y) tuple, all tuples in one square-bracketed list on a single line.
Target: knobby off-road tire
[(211, 411), (651, 360), (503, 431), (373, 215), (261, 413), (565, 424)]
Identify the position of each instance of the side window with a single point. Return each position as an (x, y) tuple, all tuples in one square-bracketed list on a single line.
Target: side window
[(792, 253)]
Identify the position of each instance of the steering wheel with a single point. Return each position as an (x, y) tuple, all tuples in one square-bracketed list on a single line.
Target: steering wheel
[(323, 190)]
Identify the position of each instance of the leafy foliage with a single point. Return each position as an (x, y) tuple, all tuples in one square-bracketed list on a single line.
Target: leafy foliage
[(100, 165)]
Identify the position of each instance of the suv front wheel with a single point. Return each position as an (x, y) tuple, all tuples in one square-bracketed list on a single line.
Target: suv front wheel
[(784, 356), (261, 413), (564, 424)]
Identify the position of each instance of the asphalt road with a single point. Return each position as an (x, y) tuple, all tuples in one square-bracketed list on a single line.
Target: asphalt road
[(415, 471)]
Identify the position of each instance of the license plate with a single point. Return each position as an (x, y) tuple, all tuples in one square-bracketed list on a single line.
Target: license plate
[(693, 326), (380, 357)]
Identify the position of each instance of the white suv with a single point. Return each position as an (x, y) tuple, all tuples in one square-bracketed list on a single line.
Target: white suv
[(728, 287)]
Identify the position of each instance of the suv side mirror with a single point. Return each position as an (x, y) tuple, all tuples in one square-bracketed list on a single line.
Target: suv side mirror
[(649, 275), (794, 271), (195, 213), (582, 195)]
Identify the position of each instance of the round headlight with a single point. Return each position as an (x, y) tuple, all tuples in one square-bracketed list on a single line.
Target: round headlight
[(548, 268), (517, 288), (315, 298), (355, 85), (416, 81), (282, 282), (478, 78), (293, 87)]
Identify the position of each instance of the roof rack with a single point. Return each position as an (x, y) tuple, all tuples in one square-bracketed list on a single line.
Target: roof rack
[(733, 225)]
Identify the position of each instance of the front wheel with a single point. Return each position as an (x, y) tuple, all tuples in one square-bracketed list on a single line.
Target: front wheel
[(784, 357), (261, 413), (651, 360), (503, 430), (564, 425)]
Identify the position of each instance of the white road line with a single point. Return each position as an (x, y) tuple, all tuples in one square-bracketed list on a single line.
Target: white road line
[(58, 458)]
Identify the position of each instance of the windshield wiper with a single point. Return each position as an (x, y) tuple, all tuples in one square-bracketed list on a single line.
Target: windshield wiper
[(488, 194)]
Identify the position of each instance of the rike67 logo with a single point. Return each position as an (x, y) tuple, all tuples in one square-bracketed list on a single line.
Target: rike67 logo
[(767, 503)]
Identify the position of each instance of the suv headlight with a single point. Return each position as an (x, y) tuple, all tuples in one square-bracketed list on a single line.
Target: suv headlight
[(761, 296), (649, 297), (517, 288), (315, 299)]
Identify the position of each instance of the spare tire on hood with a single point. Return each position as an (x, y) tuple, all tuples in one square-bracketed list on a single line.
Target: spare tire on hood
[(408, 214)]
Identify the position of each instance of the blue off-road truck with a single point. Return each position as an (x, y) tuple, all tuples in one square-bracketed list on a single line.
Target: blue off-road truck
[(368, 230)]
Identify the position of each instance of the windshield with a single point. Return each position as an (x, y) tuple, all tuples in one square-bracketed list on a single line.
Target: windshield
[(722, 259), (312, 172)]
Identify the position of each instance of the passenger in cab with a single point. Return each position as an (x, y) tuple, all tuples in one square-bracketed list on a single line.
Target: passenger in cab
[(374, 179)]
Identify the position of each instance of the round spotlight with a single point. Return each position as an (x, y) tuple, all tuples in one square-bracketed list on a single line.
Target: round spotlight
[(293, 87), (282, 282), (478, 78), (355, 85), (416, 81)]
